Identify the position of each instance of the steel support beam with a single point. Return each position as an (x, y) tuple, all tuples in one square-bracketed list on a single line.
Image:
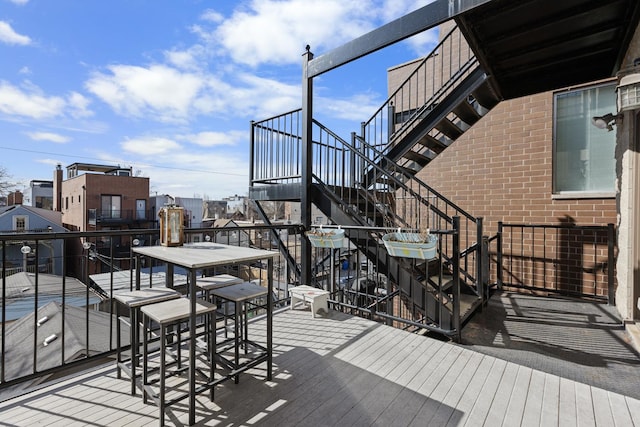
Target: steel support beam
[(409, 25), (307, 165)]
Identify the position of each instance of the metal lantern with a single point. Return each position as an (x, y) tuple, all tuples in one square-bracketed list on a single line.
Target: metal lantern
[(171, 226)]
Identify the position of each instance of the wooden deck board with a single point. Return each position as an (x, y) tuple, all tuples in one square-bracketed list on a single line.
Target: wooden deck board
[(518, 399), (341, 370), (533, 405), (550, 401)]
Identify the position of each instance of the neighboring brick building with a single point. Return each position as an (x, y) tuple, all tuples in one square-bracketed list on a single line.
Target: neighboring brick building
[(101, 197), (95, 197)]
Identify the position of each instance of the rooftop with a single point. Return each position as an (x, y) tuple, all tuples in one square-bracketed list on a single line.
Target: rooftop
[(345, 370)]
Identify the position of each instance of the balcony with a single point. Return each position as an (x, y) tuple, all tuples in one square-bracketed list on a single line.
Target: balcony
[(118, 217), (546, 365), (345, 370)]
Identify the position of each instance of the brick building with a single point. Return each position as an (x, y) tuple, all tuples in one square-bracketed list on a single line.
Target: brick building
[(101, 197), (539, 159)]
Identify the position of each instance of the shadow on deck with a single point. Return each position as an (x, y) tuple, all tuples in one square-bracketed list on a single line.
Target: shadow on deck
[(579, 340)]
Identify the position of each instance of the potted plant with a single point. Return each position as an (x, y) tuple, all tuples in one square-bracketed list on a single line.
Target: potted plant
[(411, 245), (326, 238)]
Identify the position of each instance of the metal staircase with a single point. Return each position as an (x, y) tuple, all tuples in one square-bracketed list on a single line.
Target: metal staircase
[(370, 182)]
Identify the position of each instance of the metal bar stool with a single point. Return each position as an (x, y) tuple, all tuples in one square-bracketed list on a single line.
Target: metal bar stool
[(134, 300), (240, 295), (167, 314), (208, 284)]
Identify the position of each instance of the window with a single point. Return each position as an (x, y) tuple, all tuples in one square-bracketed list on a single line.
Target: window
[(111, 206), (20, 223), (584, 156)]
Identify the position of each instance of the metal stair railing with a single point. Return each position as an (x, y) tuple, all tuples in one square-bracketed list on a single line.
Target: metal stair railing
[(275, 149), (433, 78), (394, 199)]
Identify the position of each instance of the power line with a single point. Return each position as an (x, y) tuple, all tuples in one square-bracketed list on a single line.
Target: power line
[(99, 160)]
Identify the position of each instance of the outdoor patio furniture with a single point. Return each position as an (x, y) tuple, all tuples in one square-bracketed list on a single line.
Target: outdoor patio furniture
[(168, 314), (316, 298), (134, 300)]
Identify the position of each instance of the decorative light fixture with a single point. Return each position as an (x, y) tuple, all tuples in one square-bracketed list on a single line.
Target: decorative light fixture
[(605, 122), (26, 249)]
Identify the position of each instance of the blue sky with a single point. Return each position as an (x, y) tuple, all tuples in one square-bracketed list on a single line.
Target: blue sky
[(169, 87)]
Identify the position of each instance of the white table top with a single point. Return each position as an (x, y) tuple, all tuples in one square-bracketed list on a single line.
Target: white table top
[(202, 255)]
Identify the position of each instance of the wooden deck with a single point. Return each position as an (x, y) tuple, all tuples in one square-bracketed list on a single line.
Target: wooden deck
[(344, 370)]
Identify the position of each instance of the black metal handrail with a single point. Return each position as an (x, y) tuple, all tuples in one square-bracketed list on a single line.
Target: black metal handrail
[(567, 259), (86, 309), (433, 78)]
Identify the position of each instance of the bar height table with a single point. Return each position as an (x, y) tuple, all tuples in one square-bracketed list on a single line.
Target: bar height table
[(197, 256)]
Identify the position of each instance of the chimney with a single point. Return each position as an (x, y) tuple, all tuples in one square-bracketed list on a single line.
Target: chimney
[(57, 189)]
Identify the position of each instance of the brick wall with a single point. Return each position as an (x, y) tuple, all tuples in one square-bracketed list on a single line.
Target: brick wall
[(501, 170)]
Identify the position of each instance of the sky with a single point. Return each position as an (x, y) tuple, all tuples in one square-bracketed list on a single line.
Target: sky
[(169, 87)]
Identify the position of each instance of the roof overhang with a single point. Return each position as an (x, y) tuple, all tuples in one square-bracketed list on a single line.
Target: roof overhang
[(533, 46)]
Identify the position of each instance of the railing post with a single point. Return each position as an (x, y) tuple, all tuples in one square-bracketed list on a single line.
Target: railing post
[(252, 159), (499, 256), (307, 165), (611, 295), (352, 160), (456, 278), (486, 265), (391, 121), (480, 259)]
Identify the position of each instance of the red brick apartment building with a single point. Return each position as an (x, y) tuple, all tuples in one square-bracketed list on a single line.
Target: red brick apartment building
[(102, 197), (540, 160)]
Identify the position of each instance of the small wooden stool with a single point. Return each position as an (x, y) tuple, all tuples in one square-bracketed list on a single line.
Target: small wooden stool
[(315, 297)]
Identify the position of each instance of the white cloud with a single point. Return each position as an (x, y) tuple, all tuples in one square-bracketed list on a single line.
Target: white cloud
[(48, 136), (187, 59), (31, 103), (9, 36), (149, 146), (158, 89), (211, 139), (79, 105), (19, 2), (355, 108), (212, 16), (277, 31)]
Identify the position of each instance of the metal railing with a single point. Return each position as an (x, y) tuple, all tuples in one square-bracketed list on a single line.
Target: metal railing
[(275, 149), (369, 285), (98, 216), (433, 78), (391, 197), (563, 259), (53, 322)]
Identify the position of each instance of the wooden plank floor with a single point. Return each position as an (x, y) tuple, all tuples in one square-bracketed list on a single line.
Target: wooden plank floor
[(344, 370)]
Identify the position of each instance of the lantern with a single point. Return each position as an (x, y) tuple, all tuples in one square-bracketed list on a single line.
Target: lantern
[(171, 226)]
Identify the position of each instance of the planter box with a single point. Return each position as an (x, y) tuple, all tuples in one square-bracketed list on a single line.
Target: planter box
[(326, 238), (410, 245)]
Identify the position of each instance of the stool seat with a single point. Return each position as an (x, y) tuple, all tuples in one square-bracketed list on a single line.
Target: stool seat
[(174, 310), (217, 281), (134, 299), (240, 292)]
